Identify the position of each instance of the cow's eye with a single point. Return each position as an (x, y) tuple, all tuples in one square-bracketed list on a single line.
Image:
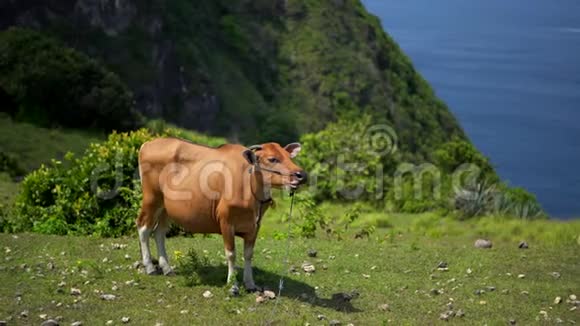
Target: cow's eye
[(273, 160)]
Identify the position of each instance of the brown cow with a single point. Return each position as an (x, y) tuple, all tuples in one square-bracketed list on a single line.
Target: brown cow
[(223, 190)]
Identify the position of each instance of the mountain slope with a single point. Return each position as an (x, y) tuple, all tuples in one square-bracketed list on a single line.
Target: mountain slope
[(251, 70)]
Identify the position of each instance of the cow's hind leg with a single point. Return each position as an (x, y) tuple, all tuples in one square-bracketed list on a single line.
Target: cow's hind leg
[(230, 251), (160, 232), (145, 225)]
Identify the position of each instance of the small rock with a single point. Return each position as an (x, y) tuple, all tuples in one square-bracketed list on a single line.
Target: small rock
[(524, 293), (50, 266), (435, 291), (269, 294), (108, 297), (366, 275), (520, 276), (478, 292), (483, 244), (446, 315), (460, 313), (77, 323), (442, 264), (109, 322), (308, 268), (505, 291), (75, 291), (43, 316), (49, 322), (555, 274), (125, 320), (384, 307), (573, 308), (260, 299), (321, 317), (573, 297), (559, 321), (312, 253), (469, 271), (24, 314), (114, 288), (523, 245), (482, 302), (512, 321), (558, 300), (183, 312), (207, 294), (127, 257), (334, 322), (491, 288)]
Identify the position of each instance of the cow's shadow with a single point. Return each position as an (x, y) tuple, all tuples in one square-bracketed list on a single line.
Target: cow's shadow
[(214, 275)]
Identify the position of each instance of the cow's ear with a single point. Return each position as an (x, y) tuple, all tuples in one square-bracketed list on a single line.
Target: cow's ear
[(250, 156), (293, 149)]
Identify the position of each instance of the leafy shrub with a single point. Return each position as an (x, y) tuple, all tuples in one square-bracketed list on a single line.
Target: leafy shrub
[(343, 163), (54, 85), (98, 193)]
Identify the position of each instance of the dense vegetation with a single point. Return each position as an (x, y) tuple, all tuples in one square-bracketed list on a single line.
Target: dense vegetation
[(48, 84), (261, 70)]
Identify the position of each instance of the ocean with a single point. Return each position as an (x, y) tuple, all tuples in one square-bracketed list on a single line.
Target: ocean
[(510, 72)]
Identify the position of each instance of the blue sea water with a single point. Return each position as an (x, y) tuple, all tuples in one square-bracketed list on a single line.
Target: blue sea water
[(510, 72)]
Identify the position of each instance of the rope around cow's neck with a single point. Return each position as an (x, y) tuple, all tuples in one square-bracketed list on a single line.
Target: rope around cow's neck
[(286, 260)]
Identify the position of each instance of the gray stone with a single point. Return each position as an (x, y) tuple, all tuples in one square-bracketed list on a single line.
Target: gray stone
[(49, 322), (483, 244), (523, 245)]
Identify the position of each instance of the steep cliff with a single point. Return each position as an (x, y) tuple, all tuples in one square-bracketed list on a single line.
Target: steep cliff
[(250, 70)]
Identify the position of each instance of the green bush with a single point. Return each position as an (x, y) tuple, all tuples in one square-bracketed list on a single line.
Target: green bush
[(51, 84), (98, 193)]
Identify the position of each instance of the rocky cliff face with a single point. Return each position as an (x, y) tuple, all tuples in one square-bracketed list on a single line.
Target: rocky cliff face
[(249, 70)]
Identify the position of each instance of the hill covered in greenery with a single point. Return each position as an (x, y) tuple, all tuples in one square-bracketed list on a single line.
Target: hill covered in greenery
[(251, 70)]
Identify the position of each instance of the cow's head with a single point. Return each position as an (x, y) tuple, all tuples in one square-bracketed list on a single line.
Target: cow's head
[(276, 164)]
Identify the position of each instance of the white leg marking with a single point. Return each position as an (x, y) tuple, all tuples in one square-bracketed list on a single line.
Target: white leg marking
[(231, 257), (248, 273), (160, 243), (144, 234)]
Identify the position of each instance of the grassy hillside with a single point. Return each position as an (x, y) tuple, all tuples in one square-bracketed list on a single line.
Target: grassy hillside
[(395, 273), (28, 146)]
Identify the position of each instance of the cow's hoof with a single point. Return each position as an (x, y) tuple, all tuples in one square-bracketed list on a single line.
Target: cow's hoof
[(253, 289), (235, 291), (151, 270), (169, 273)]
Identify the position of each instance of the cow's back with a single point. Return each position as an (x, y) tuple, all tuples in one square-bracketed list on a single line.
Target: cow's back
[(190, 180)]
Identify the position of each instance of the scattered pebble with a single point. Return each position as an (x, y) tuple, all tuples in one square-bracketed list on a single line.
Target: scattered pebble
[(482, 302), (125, 320), (49, 322), (312, 253), (483, 244), (308, 267), (491, 288), (108, 297), (523, 245), (119, 246), (260, 299), (183, 312), (109, 322), (442, 266), (77, 323), (573, 297), (479, 292), (334, 322), (521, 276), (366, 275), (127, 257), (524, 293), (469, 271), (269, 294), (207, 294), (24, 314), (384, 307), (43, 316), (75, 291), (512, 321), (558, 300), (460, 313), (555, 274), (321, 317)]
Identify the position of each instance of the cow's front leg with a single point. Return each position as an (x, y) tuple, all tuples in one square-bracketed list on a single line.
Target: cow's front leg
[(230, 251), (248, 255)]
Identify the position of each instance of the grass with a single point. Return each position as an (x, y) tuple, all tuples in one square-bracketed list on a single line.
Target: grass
[(31, 145), (393, 267)]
